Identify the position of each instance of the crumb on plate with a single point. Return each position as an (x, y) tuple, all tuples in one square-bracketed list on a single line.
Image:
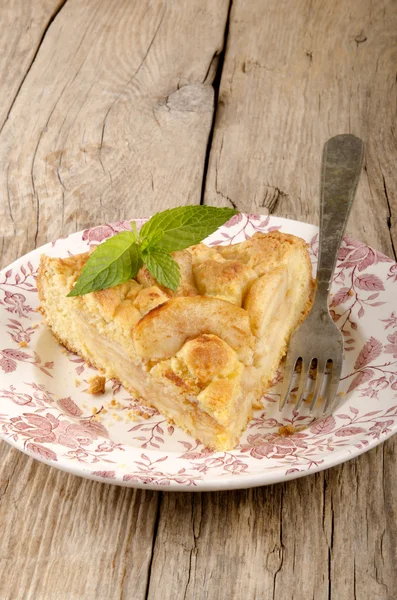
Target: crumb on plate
[(96, 385), (132, 415), (114, 404), (144, 415), (286, 430)]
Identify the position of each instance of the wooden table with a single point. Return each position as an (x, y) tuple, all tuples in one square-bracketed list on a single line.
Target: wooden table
[(118, 108)]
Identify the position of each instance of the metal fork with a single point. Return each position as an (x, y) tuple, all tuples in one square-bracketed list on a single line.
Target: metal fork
[(318, 337)]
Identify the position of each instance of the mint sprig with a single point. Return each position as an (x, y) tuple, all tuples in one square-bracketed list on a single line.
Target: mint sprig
[(186, 225), (119, 258), (110, 264), (163, 267)]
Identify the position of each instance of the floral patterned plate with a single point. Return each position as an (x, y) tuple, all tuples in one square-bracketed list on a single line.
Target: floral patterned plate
[(46, 412)]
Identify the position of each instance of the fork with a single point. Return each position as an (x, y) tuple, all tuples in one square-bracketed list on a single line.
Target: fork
[(318, 337)]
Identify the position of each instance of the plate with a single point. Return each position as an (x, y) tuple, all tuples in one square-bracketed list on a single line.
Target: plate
[(46, 413)]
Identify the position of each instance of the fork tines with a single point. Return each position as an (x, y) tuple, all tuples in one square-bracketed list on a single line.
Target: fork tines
[(328, 371)]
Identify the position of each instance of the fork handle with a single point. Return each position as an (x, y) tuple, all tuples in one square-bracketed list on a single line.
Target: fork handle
[(340, 171)]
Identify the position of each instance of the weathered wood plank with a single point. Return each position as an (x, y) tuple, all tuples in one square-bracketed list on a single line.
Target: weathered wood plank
[(233, 544), (330, 535), (361, 510), (22, 26), (296, 73), (112, 121), (68, 538)]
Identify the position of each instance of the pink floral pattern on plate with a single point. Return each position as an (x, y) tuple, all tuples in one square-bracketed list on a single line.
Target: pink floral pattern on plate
[(44, 414)]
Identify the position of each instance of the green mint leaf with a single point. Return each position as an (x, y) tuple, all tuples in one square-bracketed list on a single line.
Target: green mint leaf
[(115, 261), (163, 267), (119, 259), (134, 230), (152, 239), (185, 225)]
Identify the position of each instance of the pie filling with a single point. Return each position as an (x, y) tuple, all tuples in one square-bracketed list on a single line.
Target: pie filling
[(203, 356)]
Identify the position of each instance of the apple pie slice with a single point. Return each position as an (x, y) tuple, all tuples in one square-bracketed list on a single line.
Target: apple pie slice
[(203, 355)]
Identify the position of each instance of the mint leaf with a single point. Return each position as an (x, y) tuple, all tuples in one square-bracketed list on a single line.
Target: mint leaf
[(163, 268), (134, 230), (113, 262), (185, 225), (119, 258), (152, 239)]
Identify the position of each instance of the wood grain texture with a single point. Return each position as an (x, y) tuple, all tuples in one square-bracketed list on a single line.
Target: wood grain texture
[(331, 535), (111, 120), (295, 74), (23, 25), (68, 538)]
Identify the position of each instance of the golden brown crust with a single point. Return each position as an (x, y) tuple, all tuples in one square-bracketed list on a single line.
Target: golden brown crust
[(207, 357), (225, 272), (149, 298), (198, 342), (164, 330), (108, 301), (226, 279), (263, 251)]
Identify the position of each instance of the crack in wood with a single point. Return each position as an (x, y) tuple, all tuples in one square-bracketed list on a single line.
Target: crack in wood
[(216, 85), (389, 218), (7, 481), (58, 173), (360, 38), (5, 488), (272, 198), (9, 199), (354, 579), (155, 533), (214, 61), (125, 567), (35, 195), (324, 499), (330, 548), (281, 547), (49, 23), (193, 550)]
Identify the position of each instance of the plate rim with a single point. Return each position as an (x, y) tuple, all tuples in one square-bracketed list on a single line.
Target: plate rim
[(211, 482)]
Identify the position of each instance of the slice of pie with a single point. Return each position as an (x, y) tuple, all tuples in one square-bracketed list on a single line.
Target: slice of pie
[(204, 355)]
